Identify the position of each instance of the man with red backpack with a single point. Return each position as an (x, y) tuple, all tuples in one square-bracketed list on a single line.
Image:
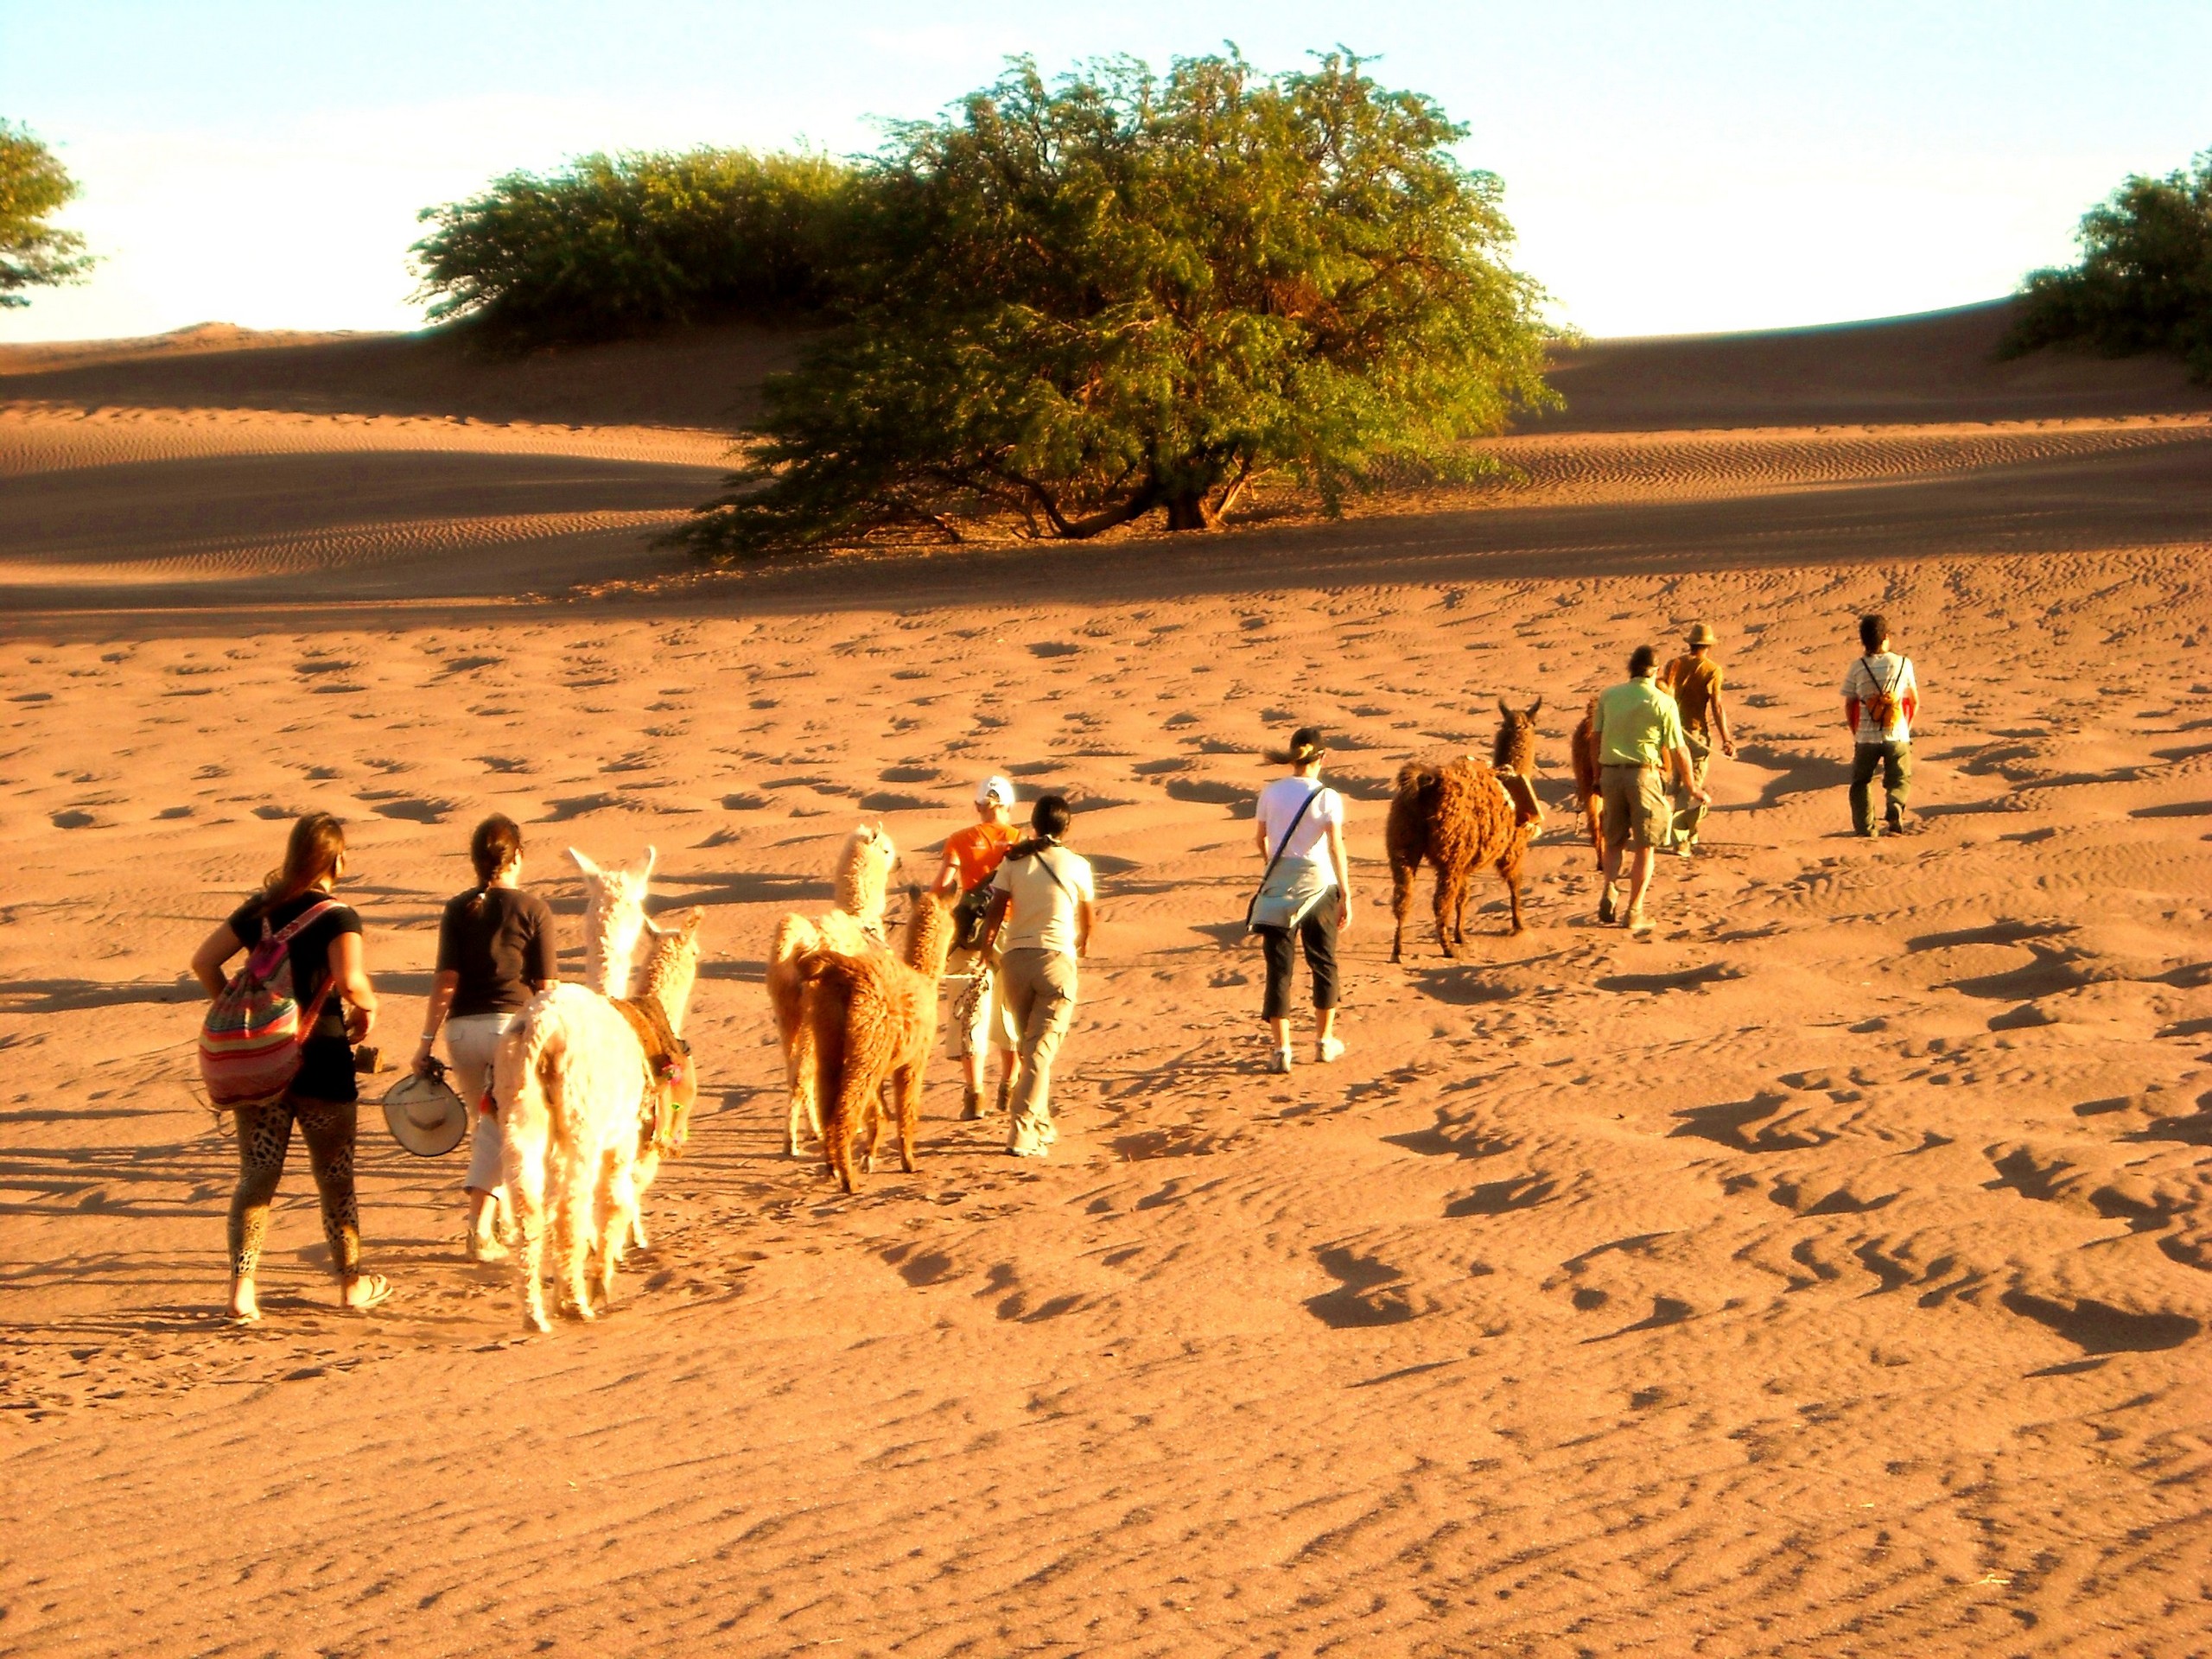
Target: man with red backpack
[(1881, 700)]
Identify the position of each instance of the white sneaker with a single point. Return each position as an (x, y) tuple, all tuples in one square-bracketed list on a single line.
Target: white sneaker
[(1329, 1050), (1281, 1066)]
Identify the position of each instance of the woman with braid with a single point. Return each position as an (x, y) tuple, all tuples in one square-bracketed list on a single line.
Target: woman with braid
[(495, 952), (330, 976)]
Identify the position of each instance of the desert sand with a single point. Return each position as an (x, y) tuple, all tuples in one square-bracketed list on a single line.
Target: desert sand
[(1828, 1273)]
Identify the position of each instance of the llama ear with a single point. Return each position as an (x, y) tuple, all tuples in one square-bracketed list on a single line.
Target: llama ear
[(590, 869), (1537, 704), (1505, 712), (653, 856)]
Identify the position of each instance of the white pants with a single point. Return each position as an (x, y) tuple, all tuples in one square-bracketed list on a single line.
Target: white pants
[(471, 1041), (983, 1023)]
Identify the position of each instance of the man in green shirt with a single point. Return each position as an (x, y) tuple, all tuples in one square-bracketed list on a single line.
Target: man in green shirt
[(1638, 734)]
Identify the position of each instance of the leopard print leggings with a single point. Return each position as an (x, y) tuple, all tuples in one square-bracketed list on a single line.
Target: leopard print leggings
[(265, 1136)]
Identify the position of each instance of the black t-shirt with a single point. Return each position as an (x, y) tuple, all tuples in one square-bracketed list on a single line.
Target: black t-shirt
[(309, 949), (497, 948)]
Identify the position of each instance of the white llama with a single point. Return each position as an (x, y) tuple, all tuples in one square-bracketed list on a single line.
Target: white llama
[(614, 916), (579, 1094)]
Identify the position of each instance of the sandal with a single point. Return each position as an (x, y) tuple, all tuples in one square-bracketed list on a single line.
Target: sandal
[(378, 1293)]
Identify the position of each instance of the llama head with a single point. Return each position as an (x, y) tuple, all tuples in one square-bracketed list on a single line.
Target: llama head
[(614, 916), (1516, 749), (672, 963), (929, 934), (864, 873)]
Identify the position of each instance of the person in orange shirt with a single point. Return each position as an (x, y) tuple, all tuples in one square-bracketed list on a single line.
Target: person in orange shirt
[(971, 859), (1695, 682)]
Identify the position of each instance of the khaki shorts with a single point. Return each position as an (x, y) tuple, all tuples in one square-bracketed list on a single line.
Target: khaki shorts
[(1636, 807)]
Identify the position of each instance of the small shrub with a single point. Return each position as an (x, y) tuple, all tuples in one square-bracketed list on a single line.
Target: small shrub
[(620, 245), (2144, 279)]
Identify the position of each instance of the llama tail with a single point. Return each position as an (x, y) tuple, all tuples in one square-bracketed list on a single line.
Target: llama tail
[(529, 1072), (794, 934), (1417, 777)]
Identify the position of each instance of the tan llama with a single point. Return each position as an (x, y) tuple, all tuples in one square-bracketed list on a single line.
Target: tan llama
[(872, 1019), (578, 1089), (1460, 816), (664, 991), (855, 926), (1582, 755)]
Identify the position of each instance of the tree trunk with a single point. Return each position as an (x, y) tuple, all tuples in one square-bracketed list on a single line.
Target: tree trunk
[(1188, 511)]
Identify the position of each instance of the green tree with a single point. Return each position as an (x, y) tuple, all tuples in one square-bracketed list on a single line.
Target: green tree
[(2144, 279), (616, 244), (34, 187), (1073, 305)]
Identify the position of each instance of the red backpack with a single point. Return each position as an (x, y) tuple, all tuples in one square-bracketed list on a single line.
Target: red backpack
[(250, 1041)]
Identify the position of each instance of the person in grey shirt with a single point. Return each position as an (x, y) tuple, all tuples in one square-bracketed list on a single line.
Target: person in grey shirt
[(1042, 906)]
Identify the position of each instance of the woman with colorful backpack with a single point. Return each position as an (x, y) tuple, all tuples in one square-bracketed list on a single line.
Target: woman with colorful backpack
[(277, 1048)]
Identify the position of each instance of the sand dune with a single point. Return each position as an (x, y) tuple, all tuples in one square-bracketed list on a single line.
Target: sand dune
[(1826, 1273)]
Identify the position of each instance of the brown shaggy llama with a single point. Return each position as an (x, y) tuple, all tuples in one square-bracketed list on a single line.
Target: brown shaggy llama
[(1460, 816), (854, 927), (873, 1022), (1582, 755)]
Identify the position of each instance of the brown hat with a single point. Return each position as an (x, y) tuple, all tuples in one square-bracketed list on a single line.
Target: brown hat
[(1701, 633)]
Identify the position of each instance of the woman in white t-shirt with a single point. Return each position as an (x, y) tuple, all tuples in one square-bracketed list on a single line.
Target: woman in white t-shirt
[(1304, 821)]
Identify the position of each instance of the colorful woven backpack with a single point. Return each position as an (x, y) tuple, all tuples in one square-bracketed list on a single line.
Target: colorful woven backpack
[(250, 1041)]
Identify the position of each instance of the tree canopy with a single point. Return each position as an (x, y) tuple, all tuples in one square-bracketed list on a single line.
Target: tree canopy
[(34, 187), (1069, 305), (616, 244), (2144, 280)]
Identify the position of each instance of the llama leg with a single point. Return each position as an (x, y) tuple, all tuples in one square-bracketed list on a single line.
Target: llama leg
[(877, 1105), (1451, 883), (1509, 871), (806, 1099), (837, 1137), (1402, 894), (648, 1167), (578, 1196), (621, 1214), (526, 1185), (909, 1084)]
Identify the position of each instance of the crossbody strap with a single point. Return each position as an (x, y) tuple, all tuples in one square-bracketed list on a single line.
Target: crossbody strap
[(1297, 818), (305, 919), (1044, 865)]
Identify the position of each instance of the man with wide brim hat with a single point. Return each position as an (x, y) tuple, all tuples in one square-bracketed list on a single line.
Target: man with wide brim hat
[(424, 1116), (1695, 681)]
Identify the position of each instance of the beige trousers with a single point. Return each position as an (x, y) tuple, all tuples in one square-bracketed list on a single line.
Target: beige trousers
[(1037, 993)]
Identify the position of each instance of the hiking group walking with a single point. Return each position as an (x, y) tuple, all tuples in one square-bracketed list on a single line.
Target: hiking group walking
[(1008, 919)]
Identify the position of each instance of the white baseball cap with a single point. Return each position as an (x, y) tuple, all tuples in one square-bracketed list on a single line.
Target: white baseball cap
[(995, 791)]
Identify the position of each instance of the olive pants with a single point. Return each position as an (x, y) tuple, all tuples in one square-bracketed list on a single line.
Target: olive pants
[(1894, 761), (1689, 815)]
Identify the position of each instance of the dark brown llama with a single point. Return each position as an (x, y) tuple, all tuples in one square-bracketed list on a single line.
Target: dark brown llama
[(1460, 816), (1583, 755)]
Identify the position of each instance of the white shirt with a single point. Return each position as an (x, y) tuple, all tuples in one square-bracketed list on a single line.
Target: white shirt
[(1868, 676), (1278, 805), (1042, 915)]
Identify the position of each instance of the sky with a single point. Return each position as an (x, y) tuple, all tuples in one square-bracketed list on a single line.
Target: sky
[(1670, 168)]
